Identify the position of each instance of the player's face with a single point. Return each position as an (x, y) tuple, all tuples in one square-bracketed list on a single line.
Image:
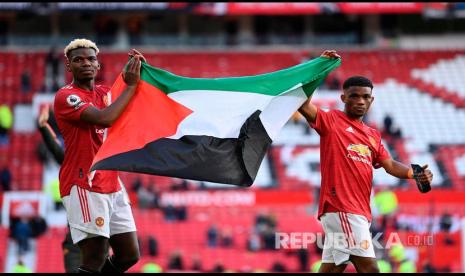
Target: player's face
[(357, 100), (83, 64)]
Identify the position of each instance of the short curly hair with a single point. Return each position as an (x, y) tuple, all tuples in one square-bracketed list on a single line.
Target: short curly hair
[(80, 43), (357, 81)]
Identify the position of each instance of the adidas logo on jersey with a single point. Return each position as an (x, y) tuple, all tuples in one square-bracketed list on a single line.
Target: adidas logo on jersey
[(350, 129)]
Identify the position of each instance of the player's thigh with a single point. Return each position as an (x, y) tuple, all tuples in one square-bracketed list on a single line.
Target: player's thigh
[(364, 264), (332, 268), (335, 248), (88, 213), (94, 249), (123, 235), (122, 220), (359, 231), (125, 245)]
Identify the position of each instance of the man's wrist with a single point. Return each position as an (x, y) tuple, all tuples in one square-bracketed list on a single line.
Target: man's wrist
[(43, 125), (131, 89), (410, 173)]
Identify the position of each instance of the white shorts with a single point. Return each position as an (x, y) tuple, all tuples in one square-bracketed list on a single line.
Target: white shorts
[(94, 214), (346, 234)]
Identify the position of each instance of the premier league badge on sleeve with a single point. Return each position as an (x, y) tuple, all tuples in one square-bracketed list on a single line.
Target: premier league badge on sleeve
[(74, 101), (107, 99)]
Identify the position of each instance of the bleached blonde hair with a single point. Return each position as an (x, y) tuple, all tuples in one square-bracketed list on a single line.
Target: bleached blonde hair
[(80, 43)]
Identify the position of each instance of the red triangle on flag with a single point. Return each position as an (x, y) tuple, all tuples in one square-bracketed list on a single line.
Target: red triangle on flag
[(149, 116)]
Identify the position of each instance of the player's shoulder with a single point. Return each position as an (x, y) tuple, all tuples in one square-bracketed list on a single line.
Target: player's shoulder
[(67, 87), (373, 131), (324, 109), (337, 114), (67, 90), (102, 88), (68, 95)]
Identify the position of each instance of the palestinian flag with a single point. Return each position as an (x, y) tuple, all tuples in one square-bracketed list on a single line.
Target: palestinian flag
[(215, 130)]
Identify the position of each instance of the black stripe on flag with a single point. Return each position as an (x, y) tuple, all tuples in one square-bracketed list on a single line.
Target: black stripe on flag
[(232, 161)]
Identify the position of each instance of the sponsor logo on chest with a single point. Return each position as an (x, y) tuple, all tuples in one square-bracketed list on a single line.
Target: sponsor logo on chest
[(100, 131), (359, 153), (358, 144)]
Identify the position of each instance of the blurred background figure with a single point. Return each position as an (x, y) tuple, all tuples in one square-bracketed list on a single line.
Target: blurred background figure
[(151, 267), (5, 177), (196, 263), (20, 267), (22, 233), (212, 236), (6, 122), (402, 264), (176, 261), (386, 204)]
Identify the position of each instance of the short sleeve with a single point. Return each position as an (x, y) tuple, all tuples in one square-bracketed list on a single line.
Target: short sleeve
[(68, 105), (381, 155), (323, 121)]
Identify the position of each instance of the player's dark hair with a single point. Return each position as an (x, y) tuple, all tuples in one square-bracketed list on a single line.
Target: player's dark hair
[(357, 81)]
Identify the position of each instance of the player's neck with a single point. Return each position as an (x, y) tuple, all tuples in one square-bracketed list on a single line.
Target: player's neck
[(84, 85), (352, 117)]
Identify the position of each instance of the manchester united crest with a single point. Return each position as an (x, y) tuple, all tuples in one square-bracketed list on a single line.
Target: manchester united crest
[(365, 244), (99, 221)]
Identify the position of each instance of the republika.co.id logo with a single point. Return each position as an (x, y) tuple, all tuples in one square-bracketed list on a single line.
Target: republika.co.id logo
[(299, 240)]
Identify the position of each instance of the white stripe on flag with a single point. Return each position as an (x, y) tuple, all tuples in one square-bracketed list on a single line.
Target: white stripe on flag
[(221, 114), (217, 113), (280, 110)]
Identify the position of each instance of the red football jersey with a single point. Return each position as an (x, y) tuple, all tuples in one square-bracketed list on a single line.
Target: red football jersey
[(82, 140), (349, 150)]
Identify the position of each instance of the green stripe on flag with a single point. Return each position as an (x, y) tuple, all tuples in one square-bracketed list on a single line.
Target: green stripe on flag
[(309, 75)]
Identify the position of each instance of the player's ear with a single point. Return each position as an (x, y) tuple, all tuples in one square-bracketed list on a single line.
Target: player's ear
[(343, 97), (98, 66), (67, 64)]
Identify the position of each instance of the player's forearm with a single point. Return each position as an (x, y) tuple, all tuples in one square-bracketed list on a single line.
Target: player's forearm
[(398, 169), (111, 113), (131, 76), (308, 110), (51, 142)]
